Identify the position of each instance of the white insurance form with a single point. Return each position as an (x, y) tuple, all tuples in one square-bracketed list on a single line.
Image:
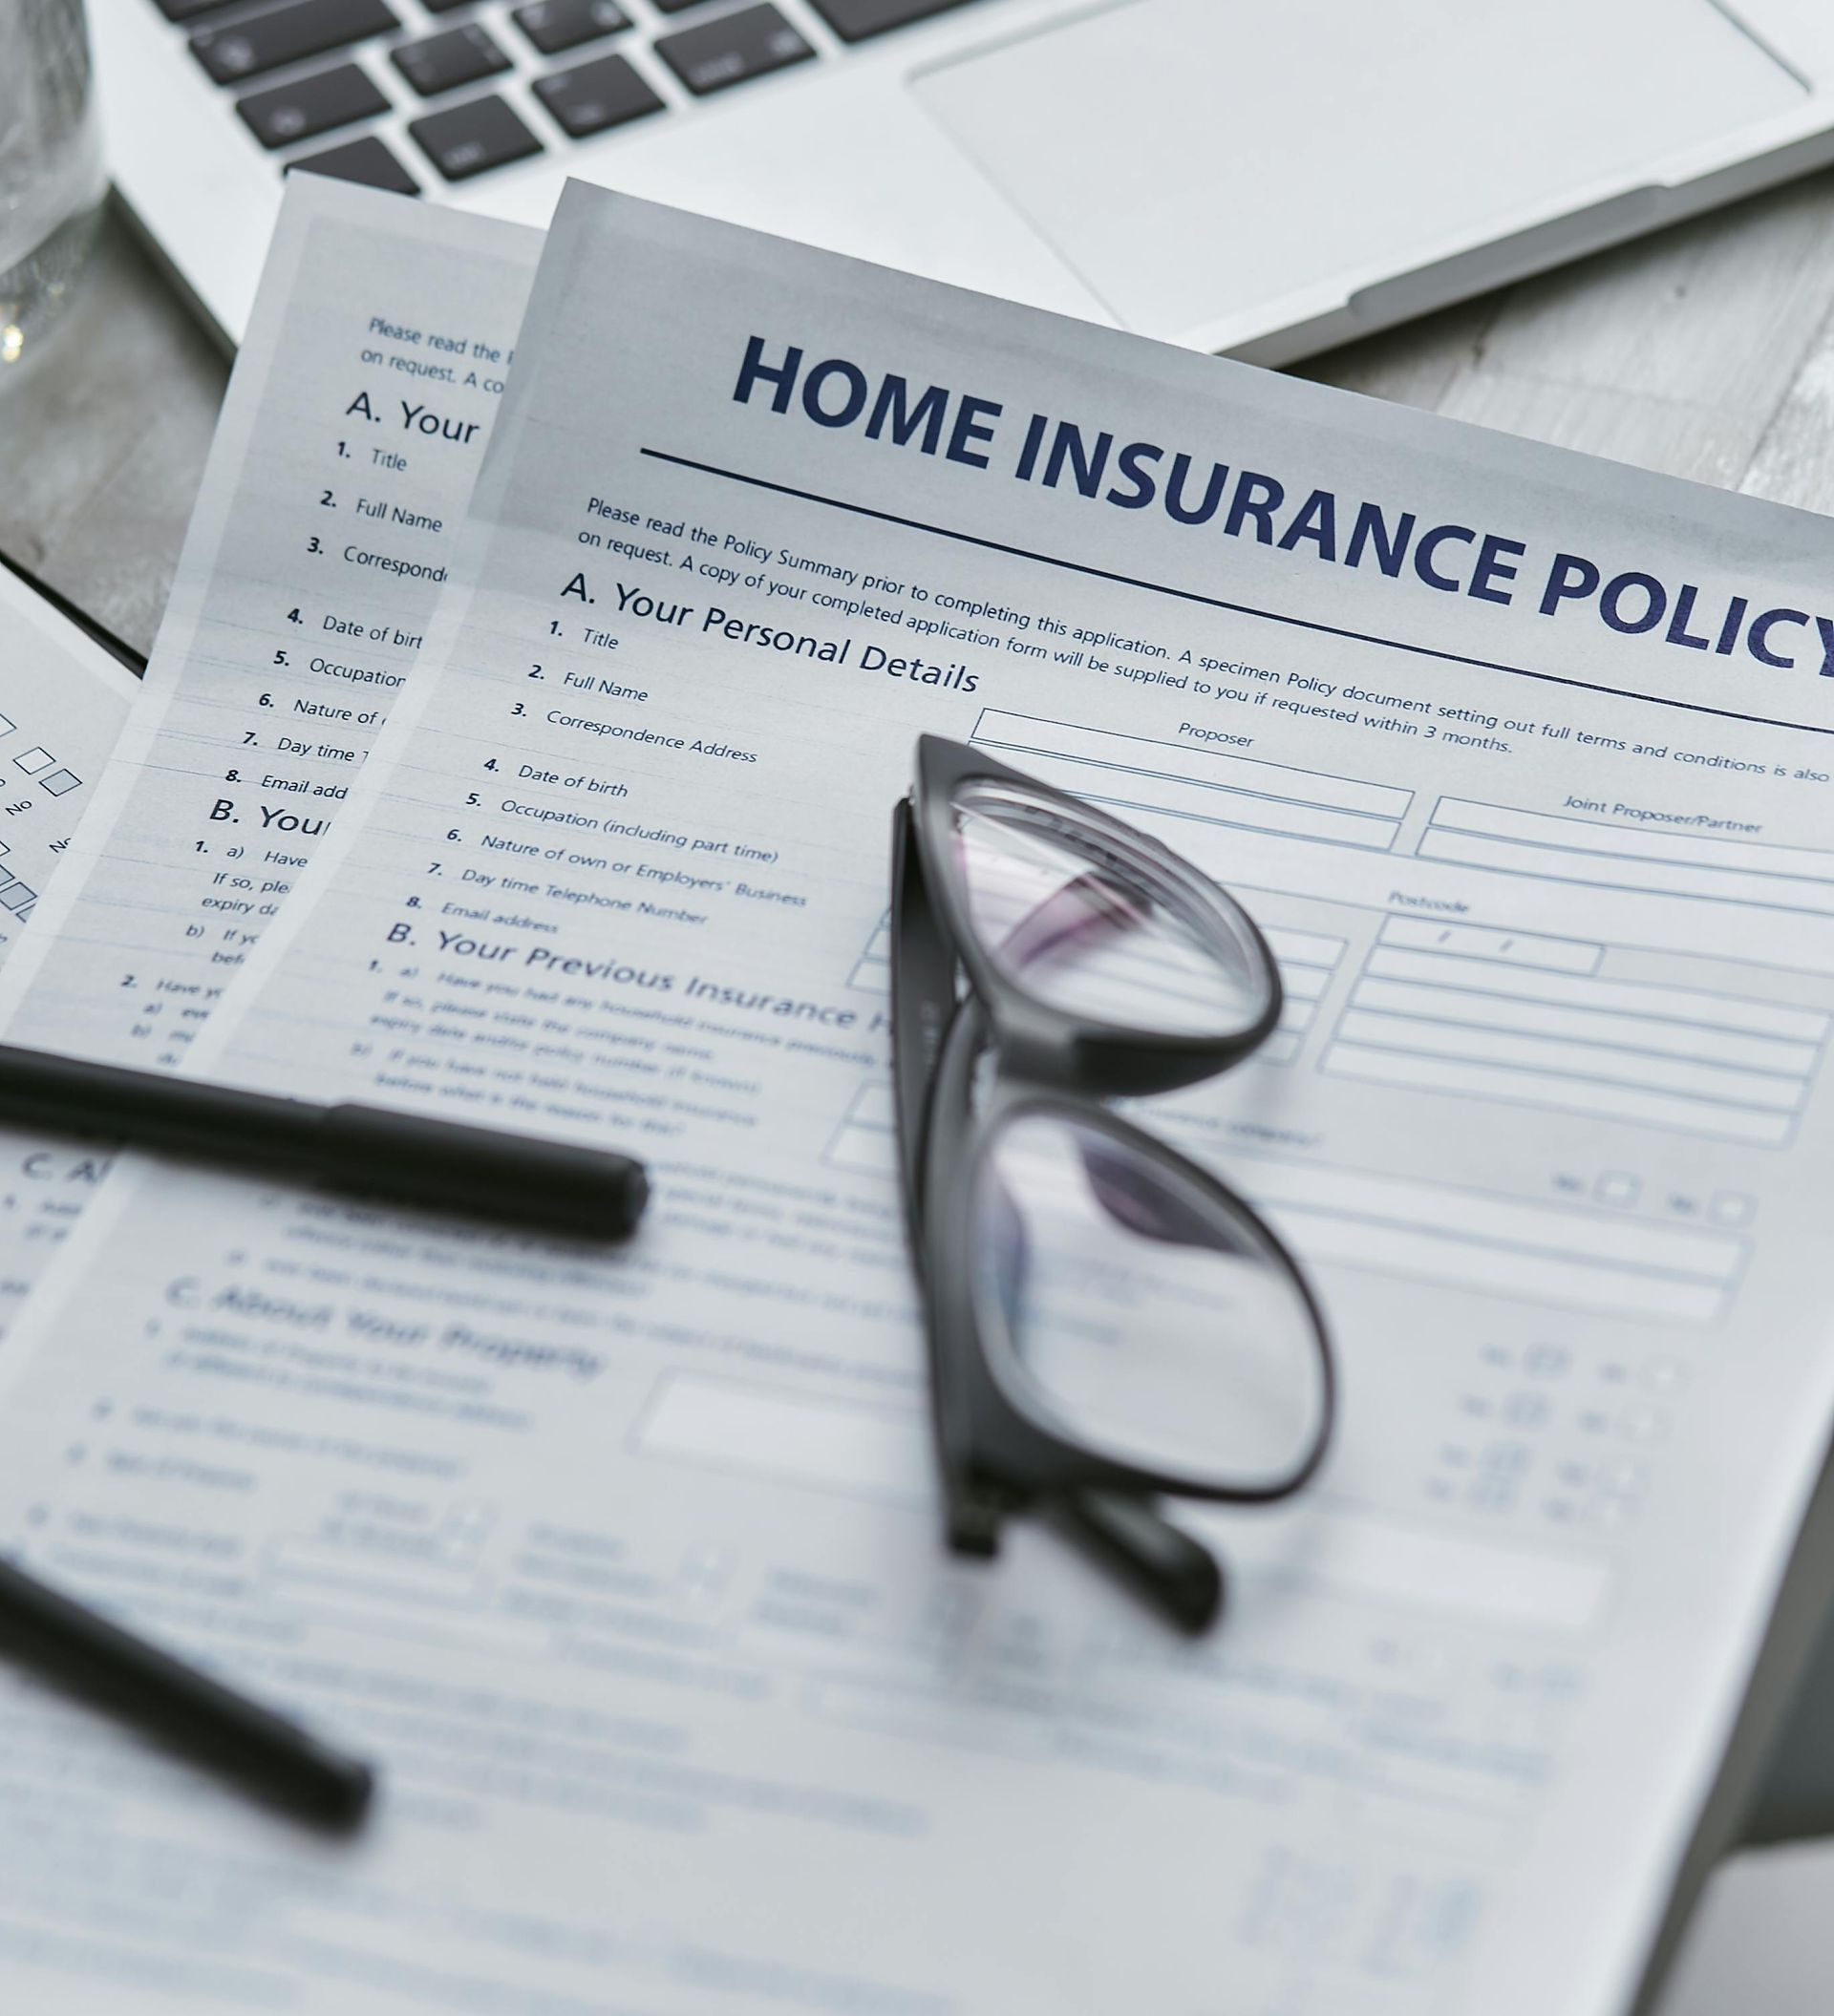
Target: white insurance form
[(62, 703), (350, 438), (626, 1563)]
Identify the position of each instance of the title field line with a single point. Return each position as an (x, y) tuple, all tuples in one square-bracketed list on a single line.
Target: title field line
[(1214, 602)]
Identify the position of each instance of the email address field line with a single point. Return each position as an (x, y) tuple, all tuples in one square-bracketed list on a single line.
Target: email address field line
[(1216, 601)]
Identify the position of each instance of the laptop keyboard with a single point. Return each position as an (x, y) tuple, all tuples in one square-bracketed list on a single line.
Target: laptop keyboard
[(411, 71)]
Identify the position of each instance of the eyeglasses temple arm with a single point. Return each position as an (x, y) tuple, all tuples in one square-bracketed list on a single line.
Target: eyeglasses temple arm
[(922, 1005), (1177, 1575)]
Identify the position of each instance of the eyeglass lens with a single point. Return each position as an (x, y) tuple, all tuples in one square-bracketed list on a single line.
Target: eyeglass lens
[(1156, 1319), (1076, 919)]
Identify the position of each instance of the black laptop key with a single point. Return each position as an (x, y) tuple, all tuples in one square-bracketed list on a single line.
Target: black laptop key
[(188, 9), (442, 62), (443, 6), (365, 160), (855, 20), (732, 50), (675, 7), (309, 106), (288, 34), (593, 96), (467, 139), (555, 25)]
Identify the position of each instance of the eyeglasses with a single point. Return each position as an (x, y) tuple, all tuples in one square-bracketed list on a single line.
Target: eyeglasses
[(1106, 1321)]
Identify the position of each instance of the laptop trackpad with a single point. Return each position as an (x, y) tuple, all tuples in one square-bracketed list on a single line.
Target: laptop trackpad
[(1193, 158)]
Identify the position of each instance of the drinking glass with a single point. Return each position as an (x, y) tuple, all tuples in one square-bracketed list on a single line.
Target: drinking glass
[(52, 181)]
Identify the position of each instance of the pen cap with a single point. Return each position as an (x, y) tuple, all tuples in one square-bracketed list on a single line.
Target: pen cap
[(552, 1186)]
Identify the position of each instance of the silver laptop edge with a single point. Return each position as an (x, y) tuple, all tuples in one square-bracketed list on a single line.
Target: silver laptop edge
[(1210, 211)]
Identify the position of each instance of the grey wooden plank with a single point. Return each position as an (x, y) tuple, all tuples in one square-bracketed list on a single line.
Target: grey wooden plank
[(1683, 353), (1715, 312), (1413, 365), (1675, 436), (1794, 463), (1759, 1941)]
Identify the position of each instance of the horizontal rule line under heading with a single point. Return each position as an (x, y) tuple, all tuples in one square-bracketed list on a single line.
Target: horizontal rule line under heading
[(1234, 608)]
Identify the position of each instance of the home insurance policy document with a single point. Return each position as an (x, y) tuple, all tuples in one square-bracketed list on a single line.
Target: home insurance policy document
[(625, 1562), (351, 432), (63, 701)]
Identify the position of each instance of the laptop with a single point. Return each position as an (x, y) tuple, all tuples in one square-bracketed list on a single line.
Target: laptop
[(1261, 178)]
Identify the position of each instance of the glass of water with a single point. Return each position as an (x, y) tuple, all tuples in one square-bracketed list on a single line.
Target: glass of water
[(52, 181)]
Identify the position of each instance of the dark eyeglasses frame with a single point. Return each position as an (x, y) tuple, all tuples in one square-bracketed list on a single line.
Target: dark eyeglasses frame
[(999, 1447)]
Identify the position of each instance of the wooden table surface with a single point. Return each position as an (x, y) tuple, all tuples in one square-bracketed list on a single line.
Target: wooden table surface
[(1706, 352)]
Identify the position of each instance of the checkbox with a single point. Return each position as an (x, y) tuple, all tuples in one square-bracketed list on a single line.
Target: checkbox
[(59, 781), (34, 761), (17, 897)]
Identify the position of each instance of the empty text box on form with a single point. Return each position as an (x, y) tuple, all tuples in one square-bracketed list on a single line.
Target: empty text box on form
[(1136, 775), (1515, 1028), (1655, 859), (884, 1452)]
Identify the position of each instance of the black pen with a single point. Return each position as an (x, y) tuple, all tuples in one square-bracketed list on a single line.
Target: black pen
[(280, 1761), (554, 1186)]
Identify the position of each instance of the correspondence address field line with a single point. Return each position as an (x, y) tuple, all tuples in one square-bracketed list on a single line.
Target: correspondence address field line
[(1213, 601)]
